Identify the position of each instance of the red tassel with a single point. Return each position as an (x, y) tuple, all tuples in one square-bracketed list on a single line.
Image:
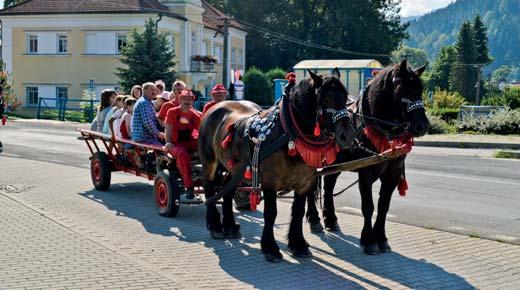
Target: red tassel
[(4, 120), (248, 174), (402, 187), (227, 141), (317, 130), (292, 152), (254, 199), (230, 164)]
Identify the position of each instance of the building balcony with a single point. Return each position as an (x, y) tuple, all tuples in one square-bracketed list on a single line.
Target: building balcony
[(200, 66)]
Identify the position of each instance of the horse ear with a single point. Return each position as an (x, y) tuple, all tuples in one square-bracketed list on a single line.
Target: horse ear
[(403, 67), (420, 70), (336, 73), (318, 81)]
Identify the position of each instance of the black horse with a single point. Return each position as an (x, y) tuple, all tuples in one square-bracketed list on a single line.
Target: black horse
[(315, 111), (390, 108)]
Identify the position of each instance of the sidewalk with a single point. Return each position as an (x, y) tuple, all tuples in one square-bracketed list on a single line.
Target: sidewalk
[(59, 232), (470, 141)]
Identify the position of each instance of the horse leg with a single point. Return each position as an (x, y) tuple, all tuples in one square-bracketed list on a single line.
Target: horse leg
[(389, 182), (329, 212), (268, 243), (231, 229), (297, 244), (212, 215), (313, 217), (368, 240)]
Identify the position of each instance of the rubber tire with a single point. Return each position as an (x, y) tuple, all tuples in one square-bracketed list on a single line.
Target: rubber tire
[(242, 201), (165, 184), (100, 166)]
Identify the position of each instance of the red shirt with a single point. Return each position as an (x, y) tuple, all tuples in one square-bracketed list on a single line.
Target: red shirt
[(165, 107), (183, 123), (208, 106)]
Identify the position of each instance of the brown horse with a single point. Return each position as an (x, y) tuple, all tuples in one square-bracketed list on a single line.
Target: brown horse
[(315, 106), (392, 107)]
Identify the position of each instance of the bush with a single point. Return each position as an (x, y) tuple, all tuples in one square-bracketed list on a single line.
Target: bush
[(445, 99), (258, 87), (446, 114), (437, 125), (503, 123), (275, 73), (510, 97)]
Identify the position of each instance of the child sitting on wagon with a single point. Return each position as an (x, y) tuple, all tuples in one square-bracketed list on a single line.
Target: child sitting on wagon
[(219, 94), (181, 131)]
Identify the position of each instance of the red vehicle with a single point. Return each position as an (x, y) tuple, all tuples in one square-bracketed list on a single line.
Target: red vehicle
[(149, 161)]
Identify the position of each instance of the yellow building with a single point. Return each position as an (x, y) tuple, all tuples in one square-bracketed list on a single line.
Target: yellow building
[(354, 72), (54, 48)]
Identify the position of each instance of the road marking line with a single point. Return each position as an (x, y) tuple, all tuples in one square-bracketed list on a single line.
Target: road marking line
[(431, 173), (358, 211), (10, 155)]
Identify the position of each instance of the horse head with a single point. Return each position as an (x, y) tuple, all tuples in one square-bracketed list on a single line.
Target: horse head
[(395, 97), (322, 100)]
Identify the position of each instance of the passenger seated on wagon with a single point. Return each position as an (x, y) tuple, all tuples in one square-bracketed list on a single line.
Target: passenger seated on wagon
[(175, 96), (182, 125), (126, 121), (115, 120), (107, 100), (144, 123), (116, 109), (219, 94)]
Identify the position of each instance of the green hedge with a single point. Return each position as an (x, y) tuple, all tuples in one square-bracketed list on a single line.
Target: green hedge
[(502, 123), (258, 87), (438, 125), (446, 114)]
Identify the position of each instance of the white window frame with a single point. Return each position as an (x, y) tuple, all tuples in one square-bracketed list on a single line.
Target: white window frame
[(218, 53), (31, 37), (233, 55), (27, 103), (194, 50), (118, 37), (240, 57), (60, 37)]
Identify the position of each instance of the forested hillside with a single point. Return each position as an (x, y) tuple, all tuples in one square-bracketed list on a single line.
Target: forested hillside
[(440, 28)]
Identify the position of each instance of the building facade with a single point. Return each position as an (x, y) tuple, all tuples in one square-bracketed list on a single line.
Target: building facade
[(58, 48)]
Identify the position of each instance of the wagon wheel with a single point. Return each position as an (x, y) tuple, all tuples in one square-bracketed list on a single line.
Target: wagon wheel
[(241, 199), (100, 171), (166, 193)]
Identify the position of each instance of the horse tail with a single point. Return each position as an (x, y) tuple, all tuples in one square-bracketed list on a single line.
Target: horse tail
[(236, 177)]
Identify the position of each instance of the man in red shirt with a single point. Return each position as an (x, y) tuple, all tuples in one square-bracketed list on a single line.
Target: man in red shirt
[(181, 131), (178, 87), (219, 94)]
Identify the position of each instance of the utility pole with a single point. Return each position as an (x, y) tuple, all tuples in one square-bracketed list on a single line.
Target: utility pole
[(225, 71), (406, 56), (479, 79)]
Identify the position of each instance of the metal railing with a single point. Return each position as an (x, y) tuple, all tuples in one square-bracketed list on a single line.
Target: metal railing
[(79, 110), (200, 66)]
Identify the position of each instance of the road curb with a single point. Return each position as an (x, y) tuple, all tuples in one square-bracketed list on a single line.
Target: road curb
[(512, 154), (461, 144)]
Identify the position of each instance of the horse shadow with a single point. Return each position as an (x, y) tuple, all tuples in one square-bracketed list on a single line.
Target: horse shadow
[(242, 258), (406, 271)]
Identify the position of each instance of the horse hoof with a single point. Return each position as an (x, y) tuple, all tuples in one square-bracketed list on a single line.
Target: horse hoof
[(233, 232), (334, 227), (384, 247), (273, 257), (301, 253), (371, 249), (216, 235), (316, 227)]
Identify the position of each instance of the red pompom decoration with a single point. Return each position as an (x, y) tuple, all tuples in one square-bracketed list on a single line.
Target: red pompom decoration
[(4, 120), (254, 199), (249, 173), (402, 187), (317, 129), (230, 164)]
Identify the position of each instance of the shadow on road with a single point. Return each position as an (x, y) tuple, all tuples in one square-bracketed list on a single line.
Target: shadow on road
[(243, 260)]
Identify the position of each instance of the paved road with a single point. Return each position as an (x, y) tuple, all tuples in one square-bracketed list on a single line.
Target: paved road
[(460, 190)]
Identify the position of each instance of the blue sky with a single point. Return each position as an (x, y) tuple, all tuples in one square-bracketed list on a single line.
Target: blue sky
[(408, 7), (420, 7)]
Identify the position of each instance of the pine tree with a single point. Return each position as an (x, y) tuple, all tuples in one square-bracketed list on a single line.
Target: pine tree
[(481, 41), (442, 69), (148, 57), (464, 77)]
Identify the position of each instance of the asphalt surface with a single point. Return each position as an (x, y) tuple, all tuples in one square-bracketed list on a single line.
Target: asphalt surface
[(458, 190)]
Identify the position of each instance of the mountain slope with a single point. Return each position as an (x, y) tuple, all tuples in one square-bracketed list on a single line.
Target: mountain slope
[(439, 28)]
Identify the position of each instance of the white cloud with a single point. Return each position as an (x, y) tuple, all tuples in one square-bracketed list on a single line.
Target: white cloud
[(420, 7)]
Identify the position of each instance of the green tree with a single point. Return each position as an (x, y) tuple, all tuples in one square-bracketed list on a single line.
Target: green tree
[(502, 74), (149, 56), (441, 69), (416, 57), (331, 23), (481, 41), (9, 3), (464, 77), (258, 88)]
